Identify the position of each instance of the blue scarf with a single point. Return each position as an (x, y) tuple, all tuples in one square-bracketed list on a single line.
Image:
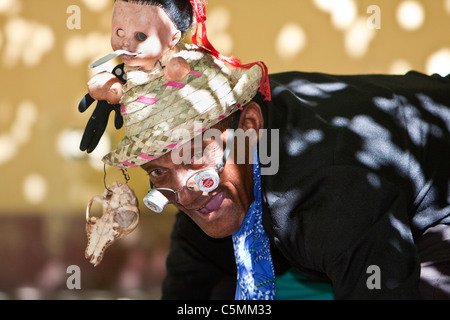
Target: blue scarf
[(256, 275)]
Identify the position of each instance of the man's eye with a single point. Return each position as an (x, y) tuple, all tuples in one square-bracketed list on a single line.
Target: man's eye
[(141, 36), (156, 173)]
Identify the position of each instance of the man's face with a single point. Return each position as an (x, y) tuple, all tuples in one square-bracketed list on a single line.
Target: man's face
[(218, 213), (143, 29)]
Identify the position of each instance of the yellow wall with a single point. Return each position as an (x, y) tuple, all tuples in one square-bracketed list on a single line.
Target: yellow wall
[(43, 75)]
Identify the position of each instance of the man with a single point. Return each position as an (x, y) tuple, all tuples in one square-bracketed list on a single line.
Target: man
[(362, 186), (348, 184)]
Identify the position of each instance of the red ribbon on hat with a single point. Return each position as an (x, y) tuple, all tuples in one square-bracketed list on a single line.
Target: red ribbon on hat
[(200, 14)]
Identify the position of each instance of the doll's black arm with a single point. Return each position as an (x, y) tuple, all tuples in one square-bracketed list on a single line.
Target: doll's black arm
[(99, 119)]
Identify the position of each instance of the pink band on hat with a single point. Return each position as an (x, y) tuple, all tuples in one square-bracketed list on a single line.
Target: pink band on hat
[(222, 117), (124, 112), (146, 157), (171, 146), (146, 100), (129, 164), (175, 84), (195, 73)]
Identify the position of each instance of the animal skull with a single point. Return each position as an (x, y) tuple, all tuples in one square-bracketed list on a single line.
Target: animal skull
[(120, 217)]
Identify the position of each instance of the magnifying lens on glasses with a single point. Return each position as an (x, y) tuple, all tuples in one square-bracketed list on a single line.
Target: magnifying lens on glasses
[(155, 201), (205, 180)]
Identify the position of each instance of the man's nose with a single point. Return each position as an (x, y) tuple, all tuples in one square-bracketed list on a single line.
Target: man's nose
[(185, 197)]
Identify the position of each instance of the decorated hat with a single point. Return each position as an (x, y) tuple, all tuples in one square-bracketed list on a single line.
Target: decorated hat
[(161, 115)]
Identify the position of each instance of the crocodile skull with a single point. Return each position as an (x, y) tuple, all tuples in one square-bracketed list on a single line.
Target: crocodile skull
[(120, 217)]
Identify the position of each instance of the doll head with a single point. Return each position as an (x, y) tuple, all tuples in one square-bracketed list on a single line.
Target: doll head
[(150, 28)]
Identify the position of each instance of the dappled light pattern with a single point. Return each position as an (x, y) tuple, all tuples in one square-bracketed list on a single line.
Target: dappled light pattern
[(344, 17), (343, 13), (98, 5), (361, 26), (410, 15), (47, 45), (82, 48), (35, 188), (19, 132), (291, 41), (219, 20), (388, 125), (26, 41), (439, 62), (364, 170)]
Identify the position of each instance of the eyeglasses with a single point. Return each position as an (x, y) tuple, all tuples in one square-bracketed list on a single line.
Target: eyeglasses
[(206, 180)]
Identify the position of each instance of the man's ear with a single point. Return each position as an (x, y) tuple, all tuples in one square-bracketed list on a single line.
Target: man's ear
[(251, 117)]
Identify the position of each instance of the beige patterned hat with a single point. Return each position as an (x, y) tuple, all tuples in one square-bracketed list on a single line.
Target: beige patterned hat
[(160, 115)]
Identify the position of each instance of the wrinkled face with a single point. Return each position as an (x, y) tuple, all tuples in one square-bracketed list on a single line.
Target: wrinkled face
[(218, 213), (144, 29)]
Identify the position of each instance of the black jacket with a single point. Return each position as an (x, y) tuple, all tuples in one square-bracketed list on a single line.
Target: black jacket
[(364, 167)]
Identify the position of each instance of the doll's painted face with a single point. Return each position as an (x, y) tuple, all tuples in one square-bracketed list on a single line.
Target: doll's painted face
[(145, 29)]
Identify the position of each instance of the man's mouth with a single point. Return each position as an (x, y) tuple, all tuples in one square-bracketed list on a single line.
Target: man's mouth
[(213, 204)]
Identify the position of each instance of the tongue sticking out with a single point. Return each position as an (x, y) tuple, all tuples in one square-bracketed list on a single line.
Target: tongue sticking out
[(213, 204)]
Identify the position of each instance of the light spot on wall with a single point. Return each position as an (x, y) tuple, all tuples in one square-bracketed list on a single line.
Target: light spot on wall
[(400, 67), (291, 41), (10, 7), (343, 12), (97, 5), (410, 15), (218, 22), (34, 188), (344, 17), (358, 38), (27, 41), (103, 147), (81, 49), (447, 6), (8, 148), (20, 131), (68, 144), (439, 62)]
